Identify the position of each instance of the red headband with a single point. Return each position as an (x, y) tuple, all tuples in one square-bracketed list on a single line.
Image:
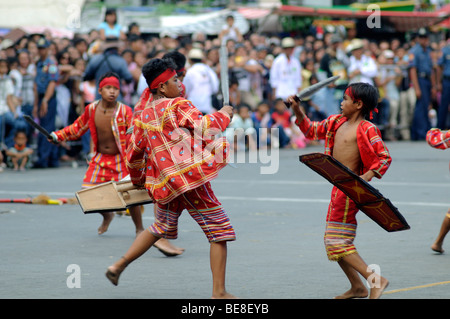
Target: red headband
[(162, 78), (112, 80), (349, 92)]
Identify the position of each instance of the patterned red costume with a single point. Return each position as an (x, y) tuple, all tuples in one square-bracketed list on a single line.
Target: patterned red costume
[(174, 153), (441, 140), (438, 139), (341, 216), (103, 167)]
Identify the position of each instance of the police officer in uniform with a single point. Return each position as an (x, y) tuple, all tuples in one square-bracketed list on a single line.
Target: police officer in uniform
[(444, 64), (423, 80), (45, 104)]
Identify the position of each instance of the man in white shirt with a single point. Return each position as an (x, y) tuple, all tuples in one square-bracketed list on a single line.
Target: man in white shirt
[(7, 107), (362, 68), (201, 82), (285, 74)]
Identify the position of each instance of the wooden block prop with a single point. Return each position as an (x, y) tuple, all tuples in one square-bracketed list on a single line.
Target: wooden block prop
[(112, 196)]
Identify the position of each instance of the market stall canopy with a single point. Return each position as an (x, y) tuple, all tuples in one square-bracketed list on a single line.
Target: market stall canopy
[(402, 20), (254, 13)]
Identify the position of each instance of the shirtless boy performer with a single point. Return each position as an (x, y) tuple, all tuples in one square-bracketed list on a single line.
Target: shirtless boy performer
[(441, 140), (357, 144), (108, 120), (174, 155)]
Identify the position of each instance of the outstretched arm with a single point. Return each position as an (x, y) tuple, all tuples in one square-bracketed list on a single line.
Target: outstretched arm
[(438, 139)]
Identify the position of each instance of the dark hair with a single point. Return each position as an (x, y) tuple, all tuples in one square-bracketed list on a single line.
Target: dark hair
[(368, 94), (77, 41), (153, 68), (132, 25), (178, 58), (109, 12), (243, 106), (6, 62), (128, 51), (20, 131), (108, 74)]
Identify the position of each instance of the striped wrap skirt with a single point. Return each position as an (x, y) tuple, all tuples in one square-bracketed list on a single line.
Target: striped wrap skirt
[(203, 206), (104, 168), (341, 226)]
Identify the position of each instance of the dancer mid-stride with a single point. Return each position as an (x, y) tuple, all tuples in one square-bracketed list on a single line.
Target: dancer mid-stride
[(357, 144), (441, 140), (174, 154)]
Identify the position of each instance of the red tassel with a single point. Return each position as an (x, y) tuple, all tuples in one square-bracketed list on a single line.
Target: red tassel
[(371, 113)]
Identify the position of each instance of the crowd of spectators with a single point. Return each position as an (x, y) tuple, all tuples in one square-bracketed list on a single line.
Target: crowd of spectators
[(263, 71)]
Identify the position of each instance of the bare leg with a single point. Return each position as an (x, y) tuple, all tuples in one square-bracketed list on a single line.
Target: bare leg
[(218, 261), (107, 218), (136, 216), (23, 163), (141, 244), (445, 228), (15, 162), (165, 246), (355, 262), (357, 289)]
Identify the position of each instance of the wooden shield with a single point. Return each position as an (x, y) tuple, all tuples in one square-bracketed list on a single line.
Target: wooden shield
[(368, 199), (112, 196)]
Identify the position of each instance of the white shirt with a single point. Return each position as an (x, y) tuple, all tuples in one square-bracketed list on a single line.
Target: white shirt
[(6, 88), (366, 65), (201, 83), (285, 76)]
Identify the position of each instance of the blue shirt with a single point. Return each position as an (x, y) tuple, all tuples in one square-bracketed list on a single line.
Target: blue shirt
[(113, 32), (46, 71), (109, 61), (421, 59), (444, 60)]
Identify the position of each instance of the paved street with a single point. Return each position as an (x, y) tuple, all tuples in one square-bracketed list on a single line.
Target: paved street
[(279, 219)]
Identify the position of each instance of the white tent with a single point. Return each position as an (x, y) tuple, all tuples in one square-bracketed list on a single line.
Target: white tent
[(60, 16), (64, 17)]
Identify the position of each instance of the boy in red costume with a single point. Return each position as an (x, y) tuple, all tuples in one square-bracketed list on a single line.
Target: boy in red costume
[(108, 121), (441, 140), (357, 144), (174, 155), (163, 245)]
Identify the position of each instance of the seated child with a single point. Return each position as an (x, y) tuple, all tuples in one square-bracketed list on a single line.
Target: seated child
[(18, 156)]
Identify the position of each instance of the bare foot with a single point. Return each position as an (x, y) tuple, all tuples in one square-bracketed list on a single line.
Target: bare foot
[(437, 248), (164, 246), (113, 275), (113, 272), (376, 292), (224, 295), (107, 218), (354, 293)]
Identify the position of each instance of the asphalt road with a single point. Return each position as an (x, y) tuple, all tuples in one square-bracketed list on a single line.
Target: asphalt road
[(278, 209)]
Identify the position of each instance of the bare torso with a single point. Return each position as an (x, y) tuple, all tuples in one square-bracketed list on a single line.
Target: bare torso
[(345, 148), (106, 143)]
